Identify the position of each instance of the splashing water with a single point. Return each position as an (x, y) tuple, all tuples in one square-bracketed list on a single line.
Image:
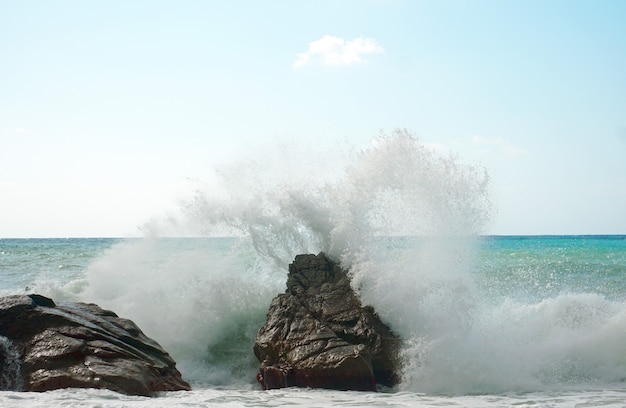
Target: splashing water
[(205, 304), (397, 187), (404, 220)]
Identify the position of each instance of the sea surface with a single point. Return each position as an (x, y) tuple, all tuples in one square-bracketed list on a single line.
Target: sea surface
[(488, 321)]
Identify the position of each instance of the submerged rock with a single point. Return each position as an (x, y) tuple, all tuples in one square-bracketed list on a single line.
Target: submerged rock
[(319, 335), (46, 346)]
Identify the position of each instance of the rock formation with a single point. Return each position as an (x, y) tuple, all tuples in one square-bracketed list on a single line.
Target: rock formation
[(318, 334), (46, 346)]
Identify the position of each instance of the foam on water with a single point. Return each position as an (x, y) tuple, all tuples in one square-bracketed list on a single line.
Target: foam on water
[(89, 398)]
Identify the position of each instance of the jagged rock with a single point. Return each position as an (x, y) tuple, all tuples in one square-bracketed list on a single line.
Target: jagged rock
[(318, 334), (46, 346)]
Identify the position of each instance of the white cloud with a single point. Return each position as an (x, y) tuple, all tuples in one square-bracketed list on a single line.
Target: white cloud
[(330, 50)]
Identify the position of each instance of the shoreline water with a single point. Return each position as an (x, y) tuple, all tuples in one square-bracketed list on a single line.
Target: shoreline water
[(611, 398)]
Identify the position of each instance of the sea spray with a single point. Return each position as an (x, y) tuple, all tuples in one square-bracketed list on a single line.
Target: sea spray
[(403, 219), (396, 187), (396, 190), (204, 304)]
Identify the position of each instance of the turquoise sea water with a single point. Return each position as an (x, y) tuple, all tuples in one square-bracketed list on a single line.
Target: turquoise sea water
[(25, 261), (537, 267), (522, 320)]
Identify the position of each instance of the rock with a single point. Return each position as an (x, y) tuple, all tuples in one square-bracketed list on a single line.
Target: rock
[(49, 346), (318, 334)]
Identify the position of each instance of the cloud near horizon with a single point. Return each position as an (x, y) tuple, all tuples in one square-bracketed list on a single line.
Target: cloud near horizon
[(335, 51)]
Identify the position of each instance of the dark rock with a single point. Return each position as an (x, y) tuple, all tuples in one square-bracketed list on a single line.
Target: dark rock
[(46, 346), (318, 334)]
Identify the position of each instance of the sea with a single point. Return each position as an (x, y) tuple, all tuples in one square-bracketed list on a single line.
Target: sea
[(535, 321), (485, 321)]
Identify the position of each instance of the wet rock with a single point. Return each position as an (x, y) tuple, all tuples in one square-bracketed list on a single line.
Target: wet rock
[(319, 335), (49, 346)]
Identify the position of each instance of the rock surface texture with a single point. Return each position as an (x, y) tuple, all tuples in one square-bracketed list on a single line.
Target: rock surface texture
[(46, 346), (319, 335)]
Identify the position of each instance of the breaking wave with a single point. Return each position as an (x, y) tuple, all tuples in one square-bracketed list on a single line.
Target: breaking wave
[(404, 220)]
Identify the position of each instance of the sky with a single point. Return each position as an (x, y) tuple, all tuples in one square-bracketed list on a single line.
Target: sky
[(109, 111)]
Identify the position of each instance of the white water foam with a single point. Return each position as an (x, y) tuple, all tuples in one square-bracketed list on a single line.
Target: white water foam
[(291, 397)]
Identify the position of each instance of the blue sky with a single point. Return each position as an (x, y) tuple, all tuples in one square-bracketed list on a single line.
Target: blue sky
[(108, 109)]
